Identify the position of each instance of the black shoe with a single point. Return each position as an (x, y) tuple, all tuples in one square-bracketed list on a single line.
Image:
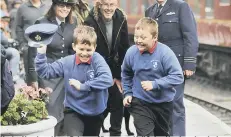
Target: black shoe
[(104, 130), (130, 133)]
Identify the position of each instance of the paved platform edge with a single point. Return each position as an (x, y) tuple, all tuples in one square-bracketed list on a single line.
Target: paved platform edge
[(211, 116)]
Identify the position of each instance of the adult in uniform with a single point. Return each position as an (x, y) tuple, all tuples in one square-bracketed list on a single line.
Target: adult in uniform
[(60, 14), (26, 16), (110, 25), (177, 29)]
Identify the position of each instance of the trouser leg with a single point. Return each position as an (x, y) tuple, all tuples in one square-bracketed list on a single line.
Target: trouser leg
[(143, 118), (105, 113), (25, 61), (126, 118), (151, 119), (163, 112), (92, 125), (73, 124), (178, 117), (59, 129), (116, 109), (80, 125)]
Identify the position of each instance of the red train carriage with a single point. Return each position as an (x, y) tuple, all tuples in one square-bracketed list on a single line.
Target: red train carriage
[(214, 32)]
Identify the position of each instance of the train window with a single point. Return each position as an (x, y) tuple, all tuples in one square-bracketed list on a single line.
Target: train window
[(209, 6), (225, 2), (134, 7), (123, 5)]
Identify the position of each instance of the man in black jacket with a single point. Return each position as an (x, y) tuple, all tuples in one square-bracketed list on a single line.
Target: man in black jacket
[(110, 25)]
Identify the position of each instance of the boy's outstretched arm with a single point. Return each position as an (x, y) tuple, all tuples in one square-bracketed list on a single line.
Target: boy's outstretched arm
[(46, 70), (103, 77)]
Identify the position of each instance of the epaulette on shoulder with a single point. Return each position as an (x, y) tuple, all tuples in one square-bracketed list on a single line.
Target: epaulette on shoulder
[(150, 7)]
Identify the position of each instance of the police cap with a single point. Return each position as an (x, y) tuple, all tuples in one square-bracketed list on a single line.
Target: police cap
[(40, 34)]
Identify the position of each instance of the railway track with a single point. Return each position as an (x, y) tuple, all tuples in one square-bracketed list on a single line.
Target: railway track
[(224, 114), (205, 80)]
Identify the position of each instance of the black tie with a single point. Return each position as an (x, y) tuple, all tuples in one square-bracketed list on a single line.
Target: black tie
[(62, 26), (158, 10)]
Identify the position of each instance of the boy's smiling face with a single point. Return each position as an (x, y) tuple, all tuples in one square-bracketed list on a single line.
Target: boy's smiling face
[(146, 34), (84, 51), (144, 39), (84, 42)]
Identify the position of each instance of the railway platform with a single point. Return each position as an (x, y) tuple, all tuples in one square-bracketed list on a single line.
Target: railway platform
[(199, 122)]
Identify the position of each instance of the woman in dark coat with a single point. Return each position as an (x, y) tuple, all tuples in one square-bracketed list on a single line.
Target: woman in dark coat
[(60, 14)]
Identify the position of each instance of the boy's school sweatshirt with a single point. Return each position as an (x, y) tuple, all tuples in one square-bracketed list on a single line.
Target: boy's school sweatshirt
[(161, 67), (95, 77)]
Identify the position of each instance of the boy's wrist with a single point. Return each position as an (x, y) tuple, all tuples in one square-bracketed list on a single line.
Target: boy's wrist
[(77, 87), (41, 55), (154, 85), (127, 94), (84, 87)]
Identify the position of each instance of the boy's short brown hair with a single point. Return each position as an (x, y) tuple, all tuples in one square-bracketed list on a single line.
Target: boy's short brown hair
[(150, 23), (85, 35)]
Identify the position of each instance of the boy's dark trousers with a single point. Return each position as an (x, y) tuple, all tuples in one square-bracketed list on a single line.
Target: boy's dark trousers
[(115, 107), (151, 119), (76, 124)]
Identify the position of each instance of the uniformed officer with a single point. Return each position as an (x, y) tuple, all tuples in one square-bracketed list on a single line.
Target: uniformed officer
[(177, 29), (61, 46), (27, 14)]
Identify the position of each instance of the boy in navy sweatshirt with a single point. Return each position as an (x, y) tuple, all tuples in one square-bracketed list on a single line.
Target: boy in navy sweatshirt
[(150, 71), (87, 78)]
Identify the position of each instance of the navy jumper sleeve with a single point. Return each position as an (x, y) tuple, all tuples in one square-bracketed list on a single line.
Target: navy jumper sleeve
[(49, 70), (127, 75)]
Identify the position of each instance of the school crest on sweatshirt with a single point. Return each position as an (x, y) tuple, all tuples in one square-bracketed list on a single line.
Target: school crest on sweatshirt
[(155, 64), (90, 74)]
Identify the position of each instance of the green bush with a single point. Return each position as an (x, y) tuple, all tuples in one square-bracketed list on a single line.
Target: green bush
[(29, 106)]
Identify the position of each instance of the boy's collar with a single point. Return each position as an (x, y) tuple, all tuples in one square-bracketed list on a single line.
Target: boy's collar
[(78, 61), (150, 50)]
